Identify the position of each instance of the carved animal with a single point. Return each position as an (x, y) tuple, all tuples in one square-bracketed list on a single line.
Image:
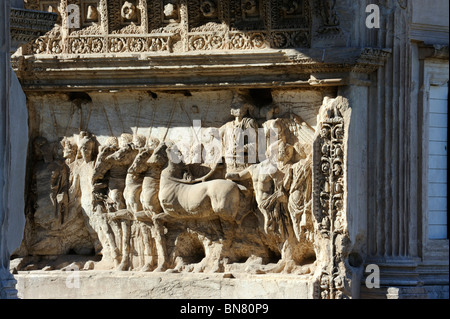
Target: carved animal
[(183, 199)]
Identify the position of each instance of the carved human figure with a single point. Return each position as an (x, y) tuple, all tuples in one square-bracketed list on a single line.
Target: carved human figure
[(134, 179), (101, 168), (291, 129), (300, 196), (86, 146), (83, 173), (211, 147), (70, 149), (240, 136), (69, 153), (285, 128), (150, 184), (118, 164), (149, 173), (271, 187), (50, 189)]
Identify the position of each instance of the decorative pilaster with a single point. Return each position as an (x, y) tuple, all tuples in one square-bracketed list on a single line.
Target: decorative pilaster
[(394, 201), (329, 200), (392, 227)]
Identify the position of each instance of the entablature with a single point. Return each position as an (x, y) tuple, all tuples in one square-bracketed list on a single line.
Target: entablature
[(258, 68)]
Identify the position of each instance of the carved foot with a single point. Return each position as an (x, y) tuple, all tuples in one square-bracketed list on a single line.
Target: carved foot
[(147, 268), (123, 266), (160, 269)]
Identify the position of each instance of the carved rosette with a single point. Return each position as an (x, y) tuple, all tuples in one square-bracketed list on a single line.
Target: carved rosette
[(329, 203), (138, 26)]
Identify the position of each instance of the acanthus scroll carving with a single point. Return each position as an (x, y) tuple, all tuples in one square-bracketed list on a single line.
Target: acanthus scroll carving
[(192, 25), (329, 211)]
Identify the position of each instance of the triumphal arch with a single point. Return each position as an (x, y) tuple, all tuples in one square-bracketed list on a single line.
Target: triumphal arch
[(236, 138)]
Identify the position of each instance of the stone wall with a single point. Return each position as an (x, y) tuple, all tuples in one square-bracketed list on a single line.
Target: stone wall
[(116, 94), (13, 145), (287, 66)]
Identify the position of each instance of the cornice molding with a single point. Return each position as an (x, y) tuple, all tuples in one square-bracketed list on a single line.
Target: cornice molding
[(263, 68), (28, 25), (430, 51)]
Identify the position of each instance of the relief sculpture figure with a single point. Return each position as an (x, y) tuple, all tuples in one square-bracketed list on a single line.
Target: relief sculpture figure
[(183, 199), (147, 206), (50, 185), (141, 195), (240, 136), (97, 223), (117, 165), (57, 181), (270, 183)]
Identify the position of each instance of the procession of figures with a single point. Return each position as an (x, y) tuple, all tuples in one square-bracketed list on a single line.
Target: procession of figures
[(144, 203)]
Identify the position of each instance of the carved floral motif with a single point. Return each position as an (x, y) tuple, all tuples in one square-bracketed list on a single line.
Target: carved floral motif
[(329, 200), (128, 11), (199, 24)]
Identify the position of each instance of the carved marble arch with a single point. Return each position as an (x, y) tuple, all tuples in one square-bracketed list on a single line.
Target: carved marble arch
[(116, 26)]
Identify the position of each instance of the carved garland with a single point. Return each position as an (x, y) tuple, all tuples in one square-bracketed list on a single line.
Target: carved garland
[(329, 203)]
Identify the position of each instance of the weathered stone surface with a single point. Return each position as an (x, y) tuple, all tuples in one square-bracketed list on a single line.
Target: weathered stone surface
[(131, 104), (13, 139), (138, 285), (90, 190)]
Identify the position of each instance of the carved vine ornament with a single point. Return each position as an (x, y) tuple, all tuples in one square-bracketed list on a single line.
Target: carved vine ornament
[(100, 26)]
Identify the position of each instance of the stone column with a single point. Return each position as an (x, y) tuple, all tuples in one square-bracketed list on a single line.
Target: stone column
[(13, 148), (393, 201), (356, 171)]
